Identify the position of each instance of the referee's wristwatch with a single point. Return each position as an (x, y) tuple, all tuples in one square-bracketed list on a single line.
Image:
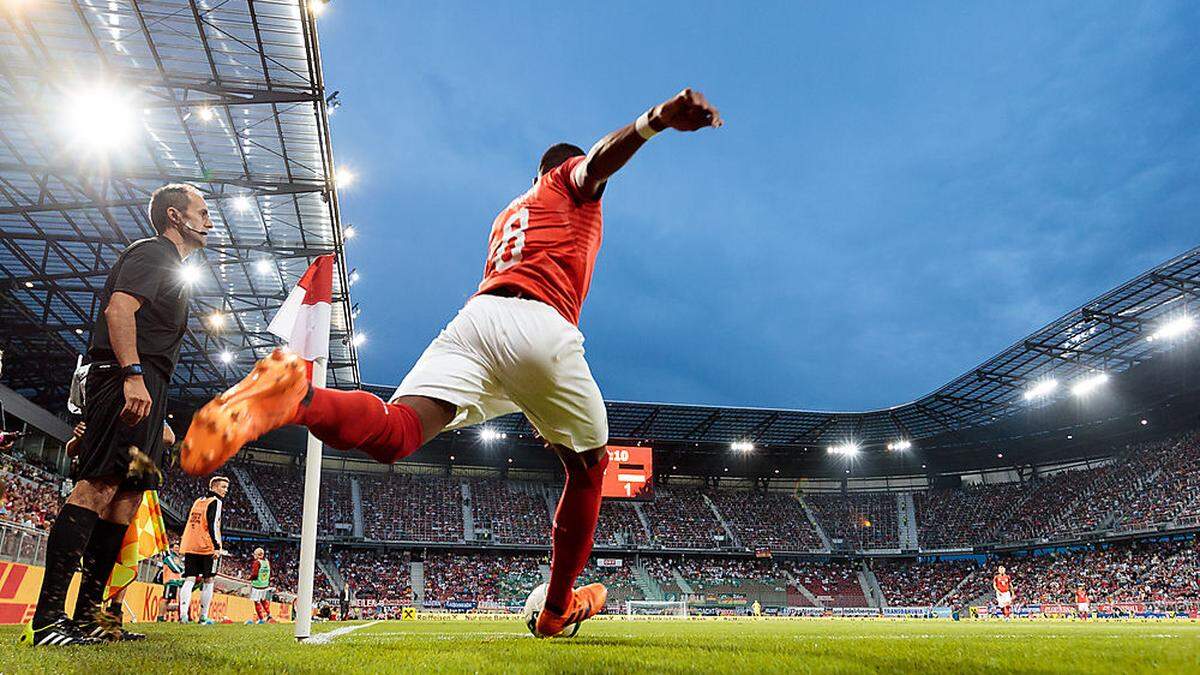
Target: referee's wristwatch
[(131, 370)]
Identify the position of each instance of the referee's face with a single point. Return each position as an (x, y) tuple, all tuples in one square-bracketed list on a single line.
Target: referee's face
[(197, 224)]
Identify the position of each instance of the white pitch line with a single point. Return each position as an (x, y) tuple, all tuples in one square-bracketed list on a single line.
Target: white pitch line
[(326, 638)]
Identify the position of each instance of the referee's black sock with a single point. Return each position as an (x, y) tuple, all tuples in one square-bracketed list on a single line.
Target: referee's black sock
[(64, 547), (98, 559)]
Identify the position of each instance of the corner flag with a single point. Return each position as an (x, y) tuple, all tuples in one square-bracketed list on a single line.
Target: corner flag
[(304, 318)]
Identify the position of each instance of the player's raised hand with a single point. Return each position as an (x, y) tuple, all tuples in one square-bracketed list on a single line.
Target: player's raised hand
[(686, 111)]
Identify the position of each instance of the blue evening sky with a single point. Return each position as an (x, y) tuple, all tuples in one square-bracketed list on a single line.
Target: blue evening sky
[(901, 191)]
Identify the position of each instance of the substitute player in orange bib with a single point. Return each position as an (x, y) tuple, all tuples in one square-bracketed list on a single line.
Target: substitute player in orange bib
[(1002, 584), (515, 346)]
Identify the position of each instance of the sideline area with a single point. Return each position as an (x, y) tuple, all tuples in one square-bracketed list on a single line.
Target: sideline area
[(781, 645)]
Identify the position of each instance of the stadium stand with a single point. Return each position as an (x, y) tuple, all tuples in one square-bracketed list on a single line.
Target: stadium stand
[(29, 495), (482, 577), (513, 512), (682, 519), (767, 520), (619, 526), (864, 520), (376, 575), (908, 583), (400, 507)]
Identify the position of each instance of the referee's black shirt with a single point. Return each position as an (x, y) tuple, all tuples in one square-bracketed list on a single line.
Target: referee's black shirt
[(150, 270)]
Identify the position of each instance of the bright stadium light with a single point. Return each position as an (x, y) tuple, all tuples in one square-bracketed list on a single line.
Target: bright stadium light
[(1173, 328), (1089, 384), (343, 177), (899, 446), (358, 339), (263, 266), (317, 7), (486, 434), (216, 320), (226, 356), (100, 117), (741, 446), (1041, 389), (354, 277), (190, 273), (206, 113), (349, 232), (848, 449), (241, 203)]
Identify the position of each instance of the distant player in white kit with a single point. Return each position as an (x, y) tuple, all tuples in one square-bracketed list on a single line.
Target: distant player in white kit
[(515, 346)]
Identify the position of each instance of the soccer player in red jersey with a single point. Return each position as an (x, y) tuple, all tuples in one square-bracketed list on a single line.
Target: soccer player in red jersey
[(1082, 603), (1002, 584), (515, 346)]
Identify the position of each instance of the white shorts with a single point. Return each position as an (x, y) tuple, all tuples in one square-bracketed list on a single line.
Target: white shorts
[(1085, 607), (504, 355), (257, 594), (1003, 599)]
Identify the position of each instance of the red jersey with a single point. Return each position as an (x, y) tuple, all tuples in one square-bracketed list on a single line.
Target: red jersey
[(1081, 597), (545, 243), (1002, 583)]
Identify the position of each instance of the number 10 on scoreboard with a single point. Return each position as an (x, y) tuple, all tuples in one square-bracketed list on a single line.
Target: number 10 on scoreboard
[(630, 472)]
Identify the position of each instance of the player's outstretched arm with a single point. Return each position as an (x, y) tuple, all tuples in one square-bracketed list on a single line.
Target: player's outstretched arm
[(686, 111)]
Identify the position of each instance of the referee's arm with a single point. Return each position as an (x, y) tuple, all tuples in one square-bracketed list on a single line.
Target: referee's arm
[(122, 332)]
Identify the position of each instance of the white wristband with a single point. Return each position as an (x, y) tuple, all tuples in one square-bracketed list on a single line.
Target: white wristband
[(643, 126)]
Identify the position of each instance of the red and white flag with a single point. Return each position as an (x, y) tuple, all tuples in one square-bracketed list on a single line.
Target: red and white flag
[(304, 318)]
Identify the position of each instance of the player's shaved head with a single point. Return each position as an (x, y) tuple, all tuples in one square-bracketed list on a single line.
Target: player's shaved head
[(557, 154)]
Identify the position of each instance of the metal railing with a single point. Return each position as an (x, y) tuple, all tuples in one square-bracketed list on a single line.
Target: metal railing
[(21, 544)]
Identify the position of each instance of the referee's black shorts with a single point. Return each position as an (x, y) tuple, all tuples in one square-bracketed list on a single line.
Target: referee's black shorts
[(105, 446), (199, 565)]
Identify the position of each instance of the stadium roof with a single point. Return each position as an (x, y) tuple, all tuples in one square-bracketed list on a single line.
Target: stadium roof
[(1107, 335), (102, 102)]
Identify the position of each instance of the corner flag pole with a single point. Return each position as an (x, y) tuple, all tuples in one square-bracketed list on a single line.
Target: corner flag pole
[(308, 526), (304, 321)]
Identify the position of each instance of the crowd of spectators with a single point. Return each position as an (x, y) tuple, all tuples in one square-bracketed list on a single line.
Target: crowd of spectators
[(906, 583), (376, 575), (963, 517), (681, 518), (857, 520), (29, 495), (513, 512), (481, 577), (767, 520), (404, 507), (619, 526), (1125, 572)]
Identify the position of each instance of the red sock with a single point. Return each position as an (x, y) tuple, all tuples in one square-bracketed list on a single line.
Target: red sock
[(574, 529), (258, 608), (357, 419)]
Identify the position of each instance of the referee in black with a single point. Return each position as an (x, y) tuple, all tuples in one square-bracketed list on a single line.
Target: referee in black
[(134, 348)]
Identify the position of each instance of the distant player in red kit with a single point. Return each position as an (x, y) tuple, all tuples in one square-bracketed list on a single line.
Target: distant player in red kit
[(515, 346), (1082, 603), (1002, 584)]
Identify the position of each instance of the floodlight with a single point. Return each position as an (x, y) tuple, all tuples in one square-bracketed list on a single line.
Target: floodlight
[(847, 449), (741, 446), (190, 273), (1089, 384), (100, 117), (226, 356), (343, 177), (349, 232), (358, 339), (897, 446), (1173, 328), (263, 266), (206, 113), (1040, 389), (241, 203), (216, 320)]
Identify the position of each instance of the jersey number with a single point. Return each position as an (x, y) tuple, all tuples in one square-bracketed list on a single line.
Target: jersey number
[(512, 241)]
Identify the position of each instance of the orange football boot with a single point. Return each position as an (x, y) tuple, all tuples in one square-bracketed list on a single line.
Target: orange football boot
[(586, 602), (264, 401)]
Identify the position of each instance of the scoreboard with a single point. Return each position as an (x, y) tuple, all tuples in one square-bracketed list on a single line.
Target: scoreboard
[(630, 473)]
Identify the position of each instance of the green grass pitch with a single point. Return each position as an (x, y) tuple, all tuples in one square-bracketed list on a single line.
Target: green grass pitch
[(767, 645)]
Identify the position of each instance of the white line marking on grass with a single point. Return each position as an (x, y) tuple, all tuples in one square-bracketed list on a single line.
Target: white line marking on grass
[(326, 638)]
